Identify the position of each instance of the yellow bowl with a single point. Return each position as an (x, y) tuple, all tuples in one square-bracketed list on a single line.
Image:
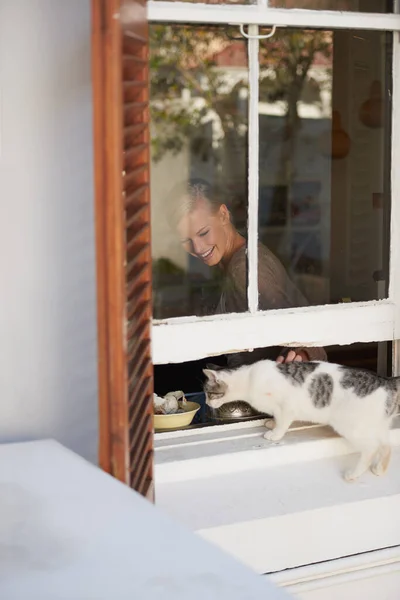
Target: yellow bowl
[(177, 420)]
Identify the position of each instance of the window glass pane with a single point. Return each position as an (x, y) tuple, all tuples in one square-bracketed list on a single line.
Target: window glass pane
[(324, 201), (199, 108), (372, 6)]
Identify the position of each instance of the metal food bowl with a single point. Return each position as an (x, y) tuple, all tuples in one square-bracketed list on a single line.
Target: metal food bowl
[(228, 413), (233, 411)]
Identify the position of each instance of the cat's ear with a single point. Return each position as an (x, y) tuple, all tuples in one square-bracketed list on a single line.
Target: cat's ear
[(211, 375)]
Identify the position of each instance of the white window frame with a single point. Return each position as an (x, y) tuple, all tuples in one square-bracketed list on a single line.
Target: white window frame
[(191, 461), (374, 321)]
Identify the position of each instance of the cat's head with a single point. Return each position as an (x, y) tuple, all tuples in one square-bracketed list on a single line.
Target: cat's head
[(216, 387)]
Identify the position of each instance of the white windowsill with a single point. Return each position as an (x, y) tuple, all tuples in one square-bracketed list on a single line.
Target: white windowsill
[(276, 506), (377, 571)]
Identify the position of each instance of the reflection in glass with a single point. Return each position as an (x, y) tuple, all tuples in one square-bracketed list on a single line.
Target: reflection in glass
[(371, 6), (199, 96), (324, 116)]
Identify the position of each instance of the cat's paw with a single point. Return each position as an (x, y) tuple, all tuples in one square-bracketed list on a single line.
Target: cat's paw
[(350, 475), (381, 460), (273, 435), (378, 469), (269, 423)]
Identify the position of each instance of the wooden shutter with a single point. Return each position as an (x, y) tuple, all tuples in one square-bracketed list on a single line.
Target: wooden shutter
[(120, 83)]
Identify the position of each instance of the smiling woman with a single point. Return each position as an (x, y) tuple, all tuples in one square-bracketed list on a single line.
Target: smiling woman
[(203, 223), (204, 226)]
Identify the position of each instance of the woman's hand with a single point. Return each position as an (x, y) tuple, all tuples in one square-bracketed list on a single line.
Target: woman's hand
[(293, 356)]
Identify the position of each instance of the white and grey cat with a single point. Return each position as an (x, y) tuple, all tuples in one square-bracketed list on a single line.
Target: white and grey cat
[(358, 404)]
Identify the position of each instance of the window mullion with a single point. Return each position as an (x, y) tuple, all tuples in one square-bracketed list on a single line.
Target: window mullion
[(394, 279), (253, 168)]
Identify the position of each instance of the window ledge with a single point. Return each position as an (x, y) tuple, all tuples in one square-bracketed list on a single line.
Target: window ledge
[(261, 501), (362, 576)]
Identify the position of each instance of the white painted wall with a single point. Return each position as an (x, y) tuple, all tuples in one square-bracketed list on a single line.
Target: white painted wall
[(48, 381)]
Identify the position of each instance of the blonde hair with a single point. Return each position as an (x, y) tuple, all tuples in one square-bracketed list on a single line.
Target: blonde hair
[(183, 198)]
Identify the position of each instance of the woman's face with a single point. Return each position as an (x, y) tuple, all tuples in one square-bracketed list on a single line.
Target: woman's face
[(206, 234)]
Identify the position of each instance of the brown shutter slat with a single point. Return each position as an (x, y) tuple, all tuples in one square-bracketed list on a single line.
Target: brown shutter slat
[(133, 174), (141, 480), (137, 286), (133, 189), (132, 218), (133, 116), (132, 305), (137, 252), (137, 323), (132, 133), (136, 107), (133, 385), (138, 467), (132, 90), (135, 423), (120, 74), (135, 234), (134, 150), (139, 365)]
